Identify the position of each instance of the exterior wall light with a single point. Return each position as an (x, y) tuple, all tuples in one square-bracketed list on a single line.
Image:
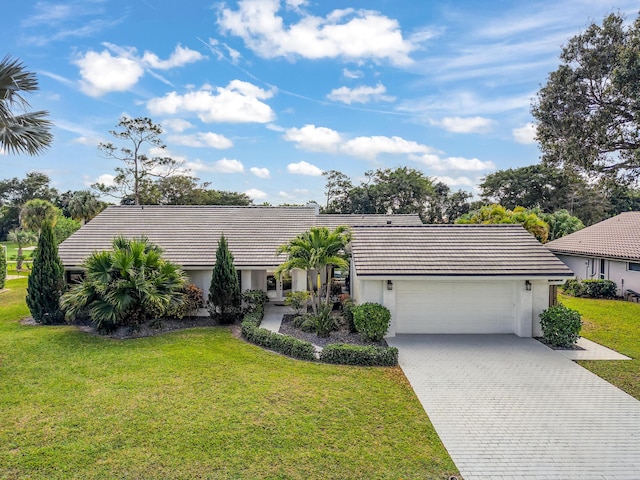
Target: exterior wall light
[(389, 285), (527, 285)]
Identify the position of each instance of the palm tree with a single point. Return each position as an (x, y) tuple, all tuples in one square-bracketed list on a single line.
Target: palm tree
[(318, 249), (84, 205), (22, 238), (37, 211), (29, 132), (126, 286)]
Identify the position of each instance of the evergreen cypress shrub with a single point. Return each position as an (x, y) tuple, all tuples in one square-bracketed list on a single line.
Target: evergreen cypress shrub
[(3, 266), (224, 292), (46, 282)]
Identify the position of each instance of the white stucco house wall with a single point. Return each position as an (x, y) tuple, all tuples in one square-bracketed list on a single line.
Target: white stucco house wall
[(609, 250), (433, 278)]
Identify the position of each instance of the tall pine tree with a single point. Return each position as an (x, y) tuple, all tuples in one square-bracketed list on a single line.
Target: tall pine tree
[(46, 281), (224, 292)]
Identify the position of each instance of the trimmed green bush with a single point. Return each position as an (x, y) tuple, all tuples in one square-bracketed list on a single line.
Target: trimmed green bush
[(560, 326), (591, 288), (371, 320), (345, 354), (284, 344), (3, 266), (46, 282), (298, 301), (255, 300), (192, 300)]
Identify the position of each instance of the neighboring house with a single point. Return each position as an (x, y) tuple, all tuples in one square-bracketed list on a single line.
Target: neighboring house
[(456, 278), (608, 250), (433, 278)]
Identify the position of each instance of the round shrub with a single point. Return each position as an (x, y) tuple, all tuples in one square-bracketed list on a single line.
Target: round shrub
[(192, 300), (371, 320), (560, 326)]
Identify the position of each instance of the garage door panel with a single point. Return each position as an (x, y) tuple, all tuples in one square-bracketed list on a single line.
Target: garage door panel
[(454, 307)]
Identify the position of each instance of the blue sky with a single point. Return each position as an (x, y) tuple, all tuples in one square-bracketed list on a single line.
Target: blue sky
[(261, 96)]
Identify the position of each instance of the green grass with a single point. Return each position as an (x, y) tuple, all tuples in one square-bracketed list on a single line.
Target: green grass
[(12, 251), (198, 403), (614, 324)]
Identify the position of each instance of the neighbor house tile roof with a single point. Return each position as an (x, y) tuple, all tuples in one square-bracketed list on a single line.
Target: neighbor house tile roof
[(616, 237), (334, 220), (452, 250), (189, 234)]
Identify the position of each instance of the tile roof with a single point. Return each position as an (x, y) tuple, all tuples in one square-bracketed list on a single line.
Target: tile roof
[(452, 250), (189, 234), (615, 237)]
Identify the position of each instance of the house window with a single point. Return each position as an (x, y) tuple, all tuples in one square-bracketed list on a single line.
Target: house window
[(602, 269), (634, 267)]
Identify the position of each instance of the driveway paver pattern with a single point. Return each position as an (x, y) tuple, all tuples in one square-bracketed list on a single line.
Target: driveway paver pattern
[(510, 408)]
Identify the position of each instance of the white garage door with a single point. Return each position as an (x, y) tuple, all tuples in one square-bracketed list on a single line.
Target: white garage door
[(454, 307)]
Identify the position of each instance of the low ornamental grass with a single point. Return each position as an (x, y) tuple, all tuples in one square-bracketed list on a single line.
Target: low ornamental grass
[(614, 324), (198, 403)]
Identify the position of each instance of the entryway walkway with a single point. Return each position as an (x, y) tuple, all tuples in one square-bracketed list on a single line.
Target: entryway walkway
[(510, 408)]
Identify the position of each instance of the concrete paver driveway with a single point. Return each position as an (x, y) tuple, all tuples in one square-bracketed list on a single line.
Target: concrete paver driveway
[(511, 408)]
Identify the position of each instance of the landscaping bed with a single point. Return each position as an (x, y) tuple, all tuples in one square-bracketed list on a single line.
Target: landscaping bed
[(342, 335)]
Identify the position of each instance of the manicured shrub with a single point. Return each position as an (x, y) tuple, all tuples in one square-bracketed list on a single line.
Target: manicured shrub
[(344, 354), (560, 326), (299, 301), (224, 292), (599, 288), (284, 344), (371, 320), (46, 282), (192, 300), (3, 266), (591, 288), (255, 300)]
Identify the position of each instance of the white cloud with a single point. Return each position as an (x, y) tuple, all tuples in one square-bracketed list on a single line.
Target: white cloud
[(362, 94), (103, 73), (201, 139), (315, 139), (105, 178), (438, 164), (221, 166), (348, 33), (371, 147), (180, 57), (456, 182), (464, 124), (284, 194), (255, 194), (238, 102), (352, 73), (304, 168), (178, 125), (525, 134), (118, 69), (260, 172)]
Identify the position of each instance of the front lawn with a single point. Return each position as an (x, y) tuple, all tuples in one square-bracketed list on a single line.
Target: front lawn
[(614, 324), (198, 403)]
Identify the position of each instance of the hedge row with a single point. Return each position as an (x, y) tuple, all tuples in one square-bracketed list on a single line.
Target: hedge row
[(345, 354), (341, 354), (284, 344), (591, 288)]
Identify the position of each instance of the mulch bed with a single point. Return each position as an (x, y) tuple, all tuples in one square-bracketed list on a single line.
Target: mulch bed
[(339, 336), (572, 347)]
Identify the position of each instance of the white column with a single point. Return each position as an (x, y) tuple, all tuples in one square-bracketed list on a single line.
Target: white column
[(298, 280), (245, 278)]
